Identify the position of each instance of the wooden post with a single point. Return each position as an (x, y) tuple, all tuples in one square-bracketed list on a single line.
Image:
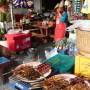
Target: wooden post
[(88, 16)]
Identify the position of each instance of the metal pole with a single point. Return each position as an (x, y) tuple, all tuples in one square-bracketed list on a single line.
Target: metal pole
[(12, 20)]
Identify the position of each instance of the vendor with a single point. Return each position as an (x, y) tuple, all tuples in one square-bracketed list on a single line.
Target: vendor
[(60, 29)]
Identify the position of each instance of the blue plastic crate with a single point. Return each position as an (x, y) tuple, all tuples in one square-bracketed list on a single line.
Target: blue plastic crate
[(20, 86), (3, 60), (62, 63)]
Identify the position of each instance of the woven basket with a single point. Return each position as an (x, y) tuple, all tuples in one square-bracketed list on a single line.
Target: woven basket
[(83, 41)]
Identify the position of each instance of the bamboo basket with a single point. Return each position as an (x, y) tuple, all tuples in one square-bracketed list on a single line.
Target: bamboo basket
[(83, 42)]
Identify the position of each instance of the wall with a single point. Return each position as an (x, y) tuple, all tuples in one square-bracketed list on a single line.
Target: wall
[(38, 5), (20, 11)]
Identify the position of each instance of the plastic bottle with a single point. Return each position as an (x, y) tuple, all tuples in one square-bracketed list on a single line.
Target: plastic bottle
[(71, 49)]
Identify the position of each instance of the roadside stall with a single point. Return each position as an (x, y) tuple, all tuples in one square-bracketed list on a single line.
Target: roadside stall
[(65, 68)]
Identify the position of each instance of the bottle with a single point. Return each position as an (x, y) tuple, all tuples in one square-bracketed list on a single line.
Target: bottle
[(71, 49)]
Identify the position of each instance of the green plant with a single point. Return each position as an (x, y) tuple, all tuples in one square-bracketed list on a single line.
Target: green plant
[(3, 2), (2, 17)]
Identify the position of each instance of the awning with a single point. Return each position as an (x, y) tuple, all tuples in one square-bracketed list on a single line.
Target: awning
[(22, 3)]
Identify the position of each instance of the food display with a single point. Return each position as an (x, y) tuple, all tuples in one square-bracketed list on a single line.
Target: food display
[(43, 68), (78, 84), (32, 72), (55, 83), (58, 82), (27, 72)]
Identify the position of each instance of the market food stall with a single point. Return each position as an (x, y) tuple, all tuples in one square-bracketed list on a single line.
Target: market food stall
[(64, 68)]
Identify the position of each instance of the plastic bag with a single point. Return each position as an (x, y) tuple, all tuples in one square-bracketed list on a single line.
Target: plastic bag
[(51, 53)]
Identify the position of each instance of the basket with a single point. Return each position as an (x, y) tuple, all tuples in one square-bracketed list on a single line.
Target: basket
[(83, 41)]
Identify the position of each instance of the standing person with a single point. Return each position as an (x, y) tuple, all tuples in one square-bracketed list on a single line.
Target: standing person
[(64, 17), (60, 29), (69, 7)]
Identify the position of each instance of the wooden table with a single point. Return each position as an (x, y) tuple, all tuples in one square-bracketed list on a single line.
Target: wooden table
[(4, 49), (42, 28)]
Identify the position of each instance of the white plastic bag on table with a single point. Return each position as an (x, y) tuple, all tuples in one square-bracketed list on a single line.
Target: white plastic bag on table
[(51, 53)]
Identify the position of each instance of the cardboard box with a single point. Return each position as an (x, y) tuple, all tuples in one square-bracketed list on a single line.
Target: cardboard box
[(88, 16), (6, 52)]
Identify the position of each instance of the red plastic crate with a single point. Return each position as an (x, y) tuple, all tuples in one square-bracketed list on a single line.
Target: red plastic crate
[(18, 42)]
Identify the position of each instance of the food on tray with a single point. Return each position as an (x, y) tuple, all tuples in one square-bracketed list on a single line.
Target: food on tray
[(76, 80), (27, 72), (55, 83), (32, 72), (60, 83), (43, 68), (78, 84)]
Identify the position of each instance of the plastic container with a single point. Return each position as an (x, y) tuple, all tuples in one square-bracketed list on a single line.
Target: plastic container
[(82, 65), (83, 41), (62, 63), (4, 64), (3, 60), (18, 42)]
